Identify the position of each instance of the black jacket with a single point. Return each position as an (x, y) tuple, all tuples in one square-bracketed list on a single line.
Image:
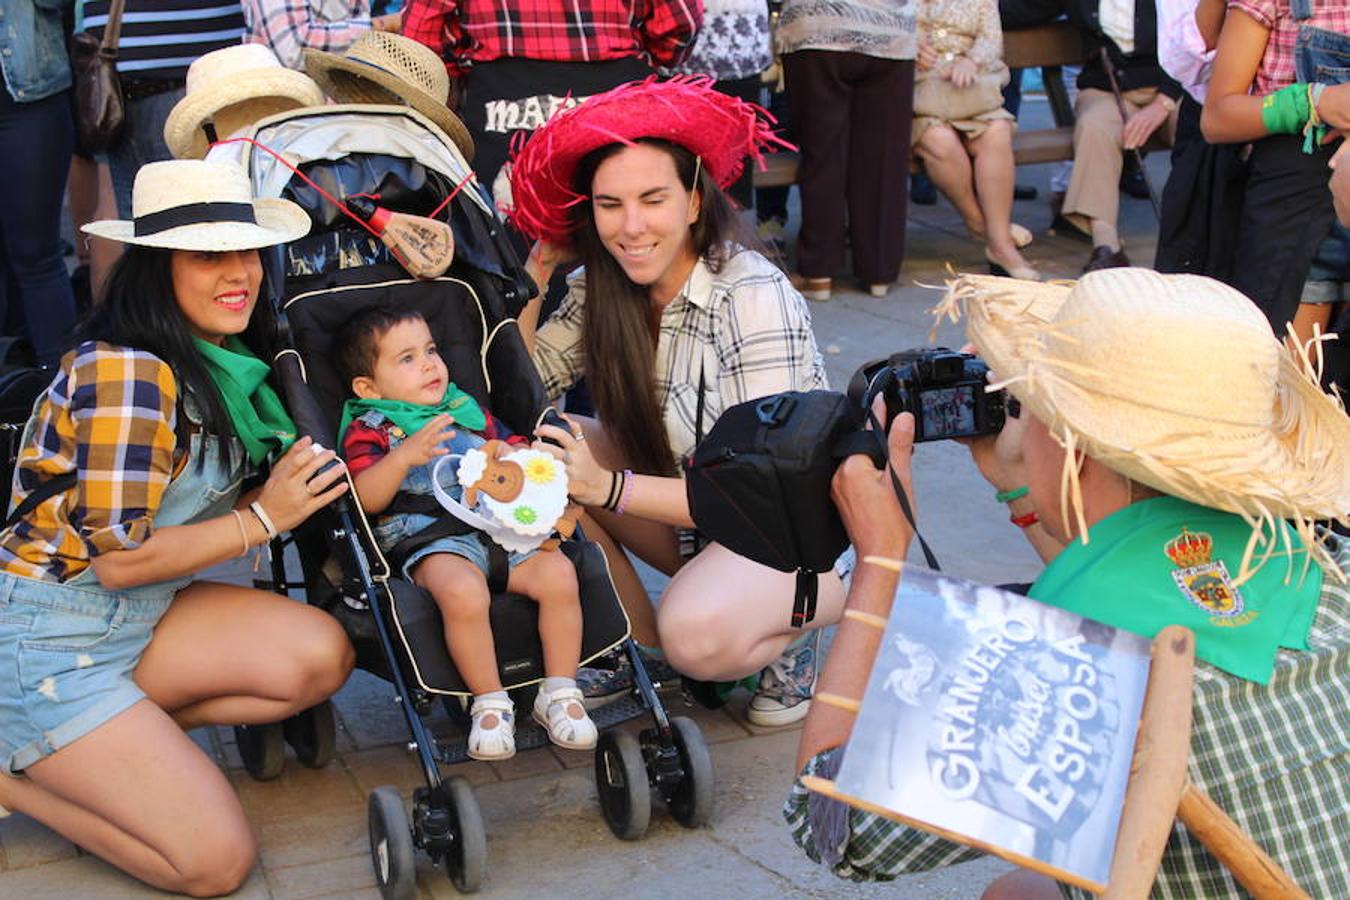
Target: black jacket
[(1136, 70)]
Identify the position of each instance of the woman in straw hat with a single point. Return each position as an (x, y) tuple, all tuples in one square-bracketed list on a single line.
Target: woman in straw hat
[(1174, 458), (672, 322), (129, 484)]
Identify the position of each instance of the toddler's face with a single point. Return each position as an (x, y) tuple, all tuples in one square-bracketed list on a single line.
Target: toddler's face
[(408, 368)]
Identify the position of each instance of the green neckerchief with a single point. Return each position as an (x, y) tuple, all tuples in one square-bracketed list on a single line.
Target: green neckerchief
[(260, 421), (1127, 577), (410, 417)]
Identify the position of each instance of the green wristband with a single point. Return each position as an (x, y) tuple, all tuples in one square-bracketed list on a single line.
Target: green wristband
[(1286, 110), (1016, 493)]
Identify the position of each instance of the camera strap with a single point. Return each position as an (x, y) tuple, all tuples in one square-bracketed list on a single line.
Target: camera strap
[(879, 435)]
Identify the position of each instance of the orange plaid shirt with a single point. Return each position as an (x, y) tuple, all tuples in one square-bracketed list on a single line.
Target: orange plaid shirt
[(109, 415)]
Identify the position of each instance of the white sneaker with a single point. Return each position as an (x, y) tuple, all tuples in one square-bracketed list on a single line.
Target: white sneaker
[(786, 684)]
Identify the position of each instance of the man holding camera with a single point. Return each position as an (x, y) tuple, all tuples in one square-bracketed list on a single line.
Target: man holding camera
[(1198, 425)]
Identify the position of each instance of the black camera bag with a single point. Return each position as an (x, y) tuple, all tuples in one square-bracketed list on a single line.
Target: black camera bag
[(759, 483)]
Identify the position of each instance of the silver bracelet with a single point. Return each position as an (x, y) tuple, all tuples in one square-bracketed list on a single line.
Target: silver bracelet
[(264, 519)]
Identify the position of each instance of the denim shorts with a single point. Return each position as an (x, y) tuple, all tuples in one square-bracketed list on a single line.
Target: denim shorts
[(67, 654), (396, 527)]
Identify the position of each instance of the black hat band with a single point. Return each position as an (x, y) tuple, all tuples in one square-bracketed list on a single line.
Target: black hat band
[(193, 214)]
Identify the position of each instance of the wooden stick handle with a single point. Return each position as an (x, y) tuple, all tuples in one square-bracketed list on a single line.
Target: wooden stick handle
[(1158, 769), (1241, 855)]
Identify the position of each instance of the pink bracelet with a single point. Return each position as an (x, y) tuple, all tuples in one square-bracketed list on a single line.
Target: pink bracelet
[(627, 492)]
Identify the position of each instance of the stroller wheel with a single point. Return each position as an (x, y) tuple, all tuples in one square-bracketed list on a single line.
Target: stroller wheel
[(391, 845), (466, 861), (621, 781), (691, 800), (262, 748), (312, 734)]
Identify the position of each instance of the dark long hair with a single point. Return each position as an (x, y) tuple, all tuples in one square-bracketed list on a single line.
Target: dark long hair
[(620, 327), (138, 309)]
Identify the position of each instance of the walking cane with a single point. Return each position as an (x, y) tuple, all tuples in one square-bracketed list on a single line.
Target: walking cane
[(1105, 59)]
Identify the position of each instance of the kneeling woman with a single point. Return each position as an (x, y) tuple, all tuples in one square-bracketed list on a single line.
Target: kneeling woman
[(673, 321), (141, 443)]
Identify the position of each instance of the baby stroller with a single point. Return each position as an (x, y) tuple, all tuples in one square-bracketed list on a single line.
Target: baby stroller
[(316, 283)]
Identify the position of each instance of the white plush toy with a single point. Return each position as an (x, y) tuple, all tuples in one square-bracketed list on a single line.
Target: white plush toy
[(517, 496)]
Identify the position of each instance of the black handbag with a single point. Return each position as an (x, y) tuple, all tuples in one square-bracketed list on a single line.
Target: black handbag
[(100, 110), (759, 483)]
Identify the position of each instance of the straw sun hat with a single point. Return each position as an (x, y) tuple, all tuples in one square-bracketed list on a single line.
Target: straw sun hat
[(722, 131), (189, 204), (1174, 381), (232, 87), (380, 67)]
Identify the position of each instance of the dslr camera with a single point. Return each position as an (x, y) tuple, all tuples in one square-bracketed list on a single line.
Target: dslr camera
[(944, 389)]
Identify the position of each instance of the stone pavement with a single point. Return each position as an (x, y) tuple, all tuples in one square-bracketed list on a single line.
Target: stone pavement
[(546, 836)]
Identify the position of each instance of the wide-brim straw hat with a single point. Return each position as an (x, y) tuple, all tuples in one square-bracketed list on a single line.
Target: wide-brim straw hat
[(190, 204), (384, 68), (242, 74), (722, 131), (1174, 381)]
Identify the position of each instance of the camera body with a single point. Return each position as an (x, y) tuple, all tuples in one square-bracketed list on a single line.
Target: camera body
[(943, 389)]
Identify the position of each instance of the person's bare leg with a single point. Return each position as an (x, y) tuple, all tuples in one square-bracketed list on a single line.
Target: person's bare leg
[(229, 655), (103, 253), (1309, 316), (724, 617), (1022, 885), (550, 580), (994, 169), (633, 596), (461, 594), (138, 793), (946, 161)]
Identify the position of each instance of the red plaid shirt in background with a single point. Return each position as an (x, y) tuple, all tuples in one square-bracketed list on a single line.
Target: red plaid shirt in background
[(1277, 65), (464, 32)]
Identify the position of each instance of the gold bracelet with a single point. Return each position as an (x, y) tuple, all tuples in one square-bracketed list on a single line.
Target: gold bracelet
[(243, 535)]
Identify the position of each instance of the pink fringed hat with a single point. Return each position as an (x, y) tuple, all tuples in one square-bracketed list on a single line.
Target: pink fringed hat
[(721, 130)]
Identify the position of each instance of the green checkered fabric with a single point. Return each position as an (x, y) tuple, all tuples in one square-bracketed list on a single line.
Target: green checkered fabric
[(1276, 758)]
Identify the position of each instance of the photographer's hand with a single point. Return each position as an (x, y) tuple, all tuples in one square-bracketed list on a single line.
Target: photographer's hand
[(999, 456), (866, 499)]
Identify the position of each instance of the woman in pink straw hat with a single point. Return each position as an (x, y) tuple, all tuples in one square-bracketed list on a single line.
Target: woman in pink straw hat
[(672, 321)]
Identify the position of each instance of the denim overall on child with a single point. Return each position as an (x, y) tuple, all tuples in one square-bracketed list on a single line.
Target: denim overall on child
[(73, 647), (1323, 57), (394, 527)]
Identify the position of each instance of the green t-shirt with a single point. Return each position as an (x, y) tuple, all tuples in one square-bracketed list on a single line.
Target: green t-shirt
[(1165, 561)]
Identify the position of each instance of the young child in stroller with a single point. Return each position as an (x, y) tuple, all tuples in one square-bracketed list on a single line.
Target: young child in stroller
[(394, 430)]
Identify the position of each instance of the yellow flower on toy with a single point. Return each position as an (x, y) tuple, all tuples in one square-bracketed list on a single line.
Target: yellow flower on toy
[(540, 470)]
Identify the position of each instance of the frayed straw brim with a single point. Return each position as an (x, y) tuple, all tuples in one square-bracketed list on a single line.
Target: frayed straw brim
[(722, 131), (1175, 382)]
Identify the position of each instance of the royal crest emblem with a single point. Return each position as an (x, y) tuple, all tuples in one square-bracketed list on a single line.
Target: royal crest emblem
[(1205, 582)]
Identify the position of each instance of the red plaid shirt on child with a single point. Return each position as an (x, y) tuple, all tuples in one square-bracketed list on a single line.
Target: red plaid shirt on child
[(1277, 65), (464, 32)]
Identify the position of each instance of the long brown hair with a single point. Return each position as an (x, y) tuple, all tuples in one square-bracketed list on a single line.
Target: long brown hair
[(620, 326)]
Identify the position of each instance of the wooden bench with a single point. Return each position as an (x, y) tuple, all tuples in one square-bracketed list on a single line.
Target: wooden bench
[(1046, 47)]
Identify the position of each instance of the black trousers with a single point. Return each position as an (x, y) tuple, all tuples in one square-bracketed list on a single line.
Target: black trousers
[(852, 116)]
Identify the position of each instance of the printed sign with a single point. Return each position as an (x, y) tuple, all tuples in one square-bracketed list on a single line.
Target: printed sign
[(1002, 720)]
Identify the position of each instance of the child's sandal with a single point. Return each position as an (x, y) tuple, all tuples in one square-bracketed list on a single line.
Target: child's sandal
[(499, 741), (553, 710)]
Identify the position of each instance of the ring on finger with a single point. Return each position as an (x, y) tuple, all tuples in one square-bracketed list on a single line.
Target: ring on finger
[(580, 436)]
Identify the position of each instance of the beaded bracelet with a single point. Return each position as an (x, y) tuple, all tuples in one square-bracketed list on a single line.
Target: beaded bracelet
[(264, 519), (243, 534), (1016, 493), (626, 494)]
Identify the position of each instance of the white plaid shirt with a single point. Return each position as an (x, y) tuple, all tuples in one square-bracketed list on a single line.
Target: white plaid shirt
[(289, 26), (1275, 757), (745, 329)]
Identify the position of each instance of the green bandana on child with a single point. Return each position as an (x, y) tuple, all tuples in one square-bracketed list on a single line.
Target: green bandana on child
[(410, 417), (1164, 561), (260, 421)]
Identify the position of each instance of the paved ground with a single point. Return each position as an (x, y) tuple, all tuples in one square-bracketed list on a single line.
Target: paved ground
[(545, 833)]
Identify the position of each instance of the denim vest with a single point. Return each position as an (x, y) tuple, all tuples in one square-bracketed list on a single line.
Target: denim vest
[(33, 53), (1322, 56)]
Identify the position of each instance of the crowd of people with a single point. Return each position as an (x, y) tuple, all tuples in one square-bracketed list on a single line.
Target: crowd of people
[(663, 298)]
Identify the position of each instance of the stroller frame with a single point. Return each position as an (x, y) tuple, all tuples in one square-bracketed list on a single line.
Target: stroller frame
[(669, 758)]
